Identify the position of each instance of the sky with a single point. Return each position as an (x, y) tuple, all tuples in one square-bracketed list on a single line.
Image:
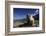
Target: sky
[(20, 13)]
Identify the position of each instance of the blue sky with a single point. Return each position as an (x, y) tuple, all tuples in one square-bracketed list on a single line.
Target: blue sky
[(20, 13)]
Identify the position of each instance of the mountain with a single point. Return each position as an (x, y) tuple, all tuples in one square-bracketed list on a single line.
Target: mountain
[(20, 20), (36, 17)]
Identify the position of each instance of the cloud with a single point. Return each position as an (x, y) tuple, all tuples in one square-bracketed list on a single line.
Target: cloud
[(36, 12)]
